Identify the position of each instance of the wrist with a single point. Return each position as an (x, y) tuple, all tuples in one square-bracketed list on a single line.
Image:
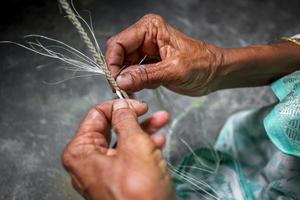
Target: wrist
[(215, 60), (236, 61)]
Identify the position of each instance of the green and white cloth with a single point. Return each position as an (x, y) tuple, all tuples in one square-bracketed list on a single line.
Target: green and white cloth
[(257, 153)]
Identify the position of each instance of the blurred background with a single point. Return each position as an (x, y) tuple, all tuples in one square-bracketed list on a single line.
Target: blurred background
[(39, 111)]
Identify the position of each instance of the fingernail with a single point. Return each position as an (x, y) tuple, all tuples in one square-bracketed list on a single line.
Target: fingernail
[(124, 80), (120, 103)]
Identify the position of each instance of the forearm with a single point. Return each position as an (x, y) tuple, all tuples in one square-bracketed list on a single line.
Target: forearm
[(257, 65)]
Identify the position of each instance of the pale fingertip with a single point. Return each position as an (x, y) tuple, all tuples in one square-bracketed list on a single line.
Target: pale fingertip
[(159, 140), (162, 114), (139, 107), (160, 118)]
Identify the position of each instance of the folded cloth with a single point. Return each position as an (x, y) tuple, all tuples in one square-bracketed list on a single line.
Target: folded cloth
[(256, 156)]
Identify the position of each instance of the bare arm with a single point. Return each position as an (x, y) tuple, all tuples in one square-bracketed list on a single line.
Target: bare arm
[(257, 65), (193, 67)]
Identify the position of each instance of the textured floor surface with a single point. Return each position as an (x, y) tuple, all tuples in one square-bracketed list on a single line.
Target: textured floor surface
[(38, 118)]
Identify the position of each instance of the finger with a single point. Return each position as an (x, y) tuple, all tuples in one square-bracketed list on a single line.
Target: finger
[(138, 77), (155, 122), (159, 140), (143, 36), (122, 44), (99, 117), (124, 121), (114, 56)]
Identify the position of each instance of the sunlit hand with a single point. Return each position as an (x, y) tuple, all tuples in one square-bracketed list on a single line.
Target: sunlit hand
[(135, 170), (186, 65)]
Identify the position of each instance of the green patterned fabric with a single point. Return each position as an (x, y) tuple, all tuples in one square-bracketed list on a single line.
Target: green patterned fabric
[(256, 156), (283, 123)]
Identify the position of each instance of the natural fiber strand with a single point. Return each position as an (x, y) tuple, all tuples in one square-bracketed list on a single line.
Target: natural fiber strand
[(96, 53)]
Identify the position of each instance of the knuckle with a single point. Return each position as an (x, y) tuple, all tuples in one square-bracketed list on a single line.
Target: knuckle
[(123, 115), (72, 153), (95, 117), (176, 61), (176, 70), (100, 106), (140, 76), (158, 74), (67, 159), (123, 111), (93, 110), (98, 109), (110, 41), (153, 75)]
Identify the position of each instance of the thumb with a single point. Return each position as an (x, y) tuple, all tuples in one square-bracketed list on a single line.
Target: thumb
[(138, 77), (124, 120)]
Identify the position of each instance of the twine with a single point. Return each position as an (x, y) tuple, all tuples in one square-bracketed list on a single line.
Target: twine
[(97, 55)]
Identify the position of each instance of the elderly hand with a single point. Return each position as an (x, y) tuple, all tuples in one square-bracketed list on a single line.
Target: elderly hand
[(190, 66), (134, 170), (187, 66)]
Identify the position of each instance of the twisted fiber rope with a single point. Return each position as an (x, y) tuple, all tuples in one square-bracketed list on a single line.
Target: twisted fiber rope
[(98, 57)]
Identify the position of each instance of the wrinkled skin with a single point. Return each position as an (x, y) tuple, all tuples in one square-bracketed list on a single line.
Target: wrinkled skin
[(133, 170), (187, 65)]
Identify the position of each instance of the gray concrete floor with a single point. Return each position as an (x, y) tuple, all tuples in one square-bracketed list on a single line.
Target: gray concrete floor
[(37, 119)]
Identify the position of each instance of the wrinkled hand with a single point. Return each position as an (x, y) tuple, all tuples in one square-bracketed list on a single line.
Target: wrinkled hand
[(134, 170), (186, 65)]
